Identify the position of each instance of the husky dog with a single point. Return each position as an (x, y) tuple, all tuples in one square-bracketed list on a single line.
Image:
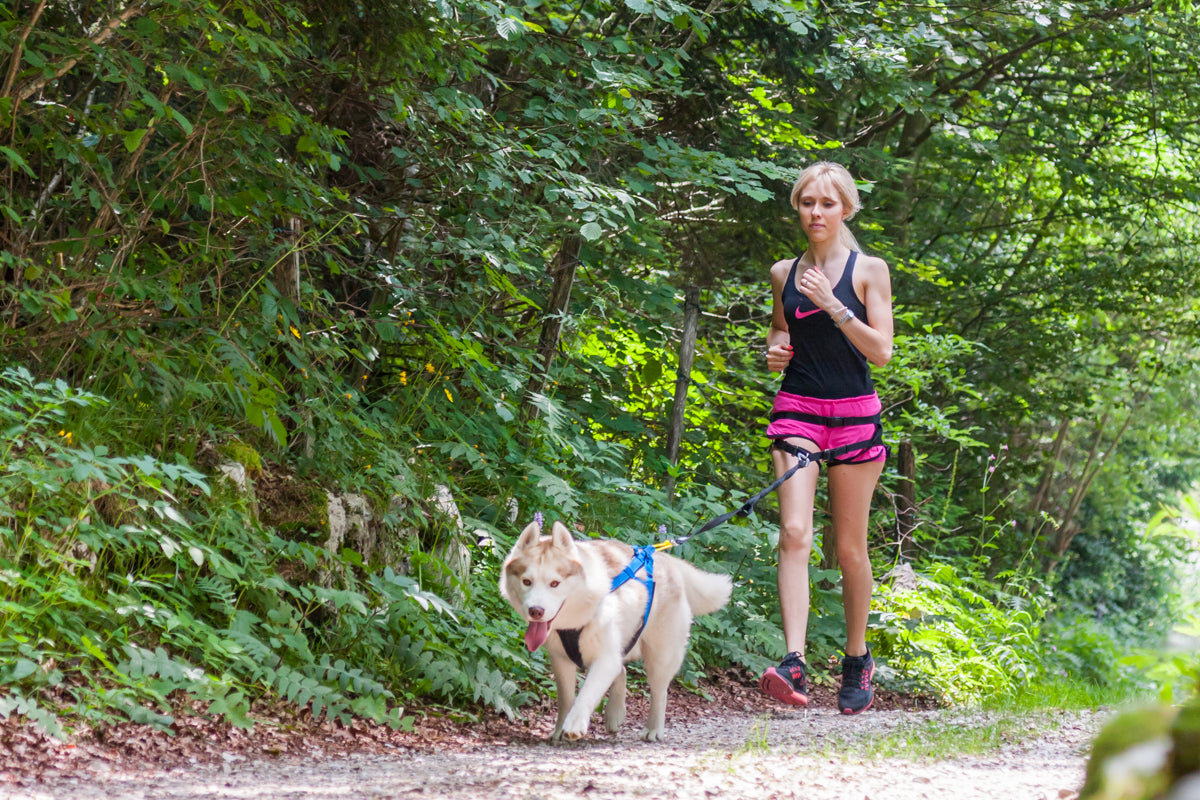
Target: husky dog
[(565, 590)]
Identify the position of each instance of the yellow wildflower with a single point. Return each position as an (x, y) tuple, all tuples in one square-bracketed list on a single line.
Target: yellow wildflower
[(404, 379), (295, 332), (449, 396), (429, 367)]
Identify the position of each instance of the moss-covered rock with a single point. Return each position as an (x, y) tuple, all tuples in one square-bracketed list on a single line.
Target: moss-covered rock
[(1185, 739), (239, 452), (1129, 757), (1146, 753)]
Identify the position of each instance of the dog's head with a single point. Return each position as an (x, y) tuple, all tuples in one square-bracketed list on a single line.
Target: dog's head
[(539, 576)]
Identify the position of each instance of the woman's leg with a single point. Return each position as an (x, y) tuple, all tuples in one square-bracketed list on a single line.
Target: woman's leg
[(796, 497), (850, 489)]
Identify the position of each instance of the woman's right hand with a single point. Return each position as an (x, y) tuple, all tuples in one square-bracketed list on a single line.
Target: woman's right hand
[(778, 356)]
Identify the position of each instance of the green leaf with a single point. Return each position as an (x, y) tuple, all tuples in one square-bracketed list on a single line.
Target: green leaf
[(507, 27), (217, 98), (22, 668), (133, 139), (16, 160)]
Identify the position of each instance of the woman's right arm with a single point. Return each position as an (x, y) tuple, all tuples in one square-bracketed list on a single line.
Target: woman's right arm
[(779, 339)]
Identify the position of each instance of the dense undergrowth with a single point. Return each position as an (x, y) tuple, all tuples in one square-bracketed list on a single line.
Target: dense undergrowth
[(131, 579)]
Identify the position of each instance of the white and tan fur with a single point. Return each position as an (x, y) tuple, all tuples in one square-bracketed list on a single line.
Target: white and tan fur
[(557, 583)]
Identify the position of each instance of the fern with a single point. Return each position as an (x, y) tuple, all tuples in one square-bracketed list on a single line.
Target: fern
[(46, 721), (230, 704), (219, 591), (157, 663), (304, 690), (352, 679), (497, 690)]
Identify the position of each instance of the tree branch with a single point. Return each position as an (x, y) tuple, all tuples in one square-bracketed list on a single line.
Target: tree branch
[(14, 63), (985, 72), (103, 35)]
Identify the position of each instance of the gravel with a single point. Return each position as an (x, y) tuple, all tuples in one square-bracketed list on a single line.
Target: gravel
[(789, 753)]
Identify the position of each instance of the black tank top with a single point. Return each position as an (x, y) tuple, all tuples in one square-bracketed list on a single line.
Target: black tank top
[(824, 364)]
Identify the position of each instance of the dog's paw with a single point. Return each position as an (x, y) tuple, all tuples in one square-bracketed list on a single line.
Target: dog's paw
[(652, 734), (572, 734), (575, 726)]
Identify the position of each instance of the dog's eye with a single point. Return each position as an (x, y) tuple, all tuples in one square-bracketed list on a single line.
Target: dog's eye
[(553, 584), (527, 582)]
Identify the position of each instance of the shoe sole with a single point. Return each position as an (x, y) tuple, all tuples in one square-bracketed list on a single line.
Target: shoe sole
[(849, 712), (775, 685)]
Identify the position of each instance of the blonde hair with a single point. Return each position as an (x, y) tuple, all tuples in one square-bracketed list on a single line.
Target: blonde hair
[(843, 183)]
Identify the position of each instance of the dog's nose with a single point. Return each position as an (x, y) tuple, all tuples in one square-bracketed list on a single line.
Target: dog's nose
[(536, 612)]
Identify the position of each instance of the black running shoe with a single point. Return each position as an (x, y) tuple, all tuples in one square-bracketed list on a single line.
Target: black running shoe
[(787, 683), (856, 693)]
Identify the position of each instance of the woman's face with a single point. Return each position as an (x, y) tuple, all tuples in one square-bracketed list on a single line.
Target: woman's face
[(821, 211)]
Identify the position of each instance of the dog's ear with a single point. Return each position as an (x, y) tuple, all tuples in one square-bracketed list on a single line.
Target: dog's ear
[(529, 537), (562, 536)]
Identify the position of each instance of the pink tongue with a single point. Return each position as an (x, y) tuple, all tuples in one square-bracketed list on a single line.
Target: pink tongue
[(536, 633)]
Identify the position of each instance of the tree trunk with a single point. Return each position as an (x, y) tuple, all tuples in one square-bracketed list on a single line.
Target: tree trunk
[(287, 269), (906, 501), (829, 556), (1038, 506), (1068, 527), (683, 379), (563, 272), (1067, 530)]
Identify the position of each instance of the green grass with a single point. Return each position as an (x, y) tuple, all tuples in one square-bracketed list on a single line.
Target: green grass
[(971, 733), (990, 727), (1066, 694), (757, 740)]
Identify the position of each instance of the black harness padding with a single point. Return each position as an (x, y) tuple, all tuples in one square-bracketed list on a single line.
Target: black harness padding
[(570, 643)]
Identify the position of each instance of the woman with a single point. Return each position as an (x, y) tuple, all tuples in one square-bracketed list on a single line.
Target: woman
[(832, 315)]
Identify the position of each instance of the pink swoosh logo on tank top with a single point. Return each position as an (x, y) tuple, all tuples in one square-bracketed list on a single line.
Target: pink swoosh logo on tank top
[(807, 313)]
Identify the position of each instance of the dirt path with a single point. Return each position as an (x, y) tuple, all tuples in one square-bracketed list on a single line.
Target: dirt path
[(787, 753)]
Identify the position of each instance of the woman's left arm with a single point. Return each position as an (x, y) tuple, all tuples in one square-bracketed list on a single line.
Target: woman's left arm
[(875, 288)]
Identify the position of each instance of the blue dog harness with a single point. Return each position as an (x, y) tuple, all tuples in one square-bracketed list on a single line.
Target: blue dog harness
[(643, 558)]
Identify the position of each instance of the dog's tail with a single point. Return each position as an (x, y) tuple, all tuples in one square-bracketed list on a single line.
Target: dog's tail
[(706, 591)]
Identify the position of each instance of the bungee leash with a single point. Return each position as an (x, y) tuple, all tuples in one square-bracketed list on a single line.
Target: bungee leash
[(803, 459)]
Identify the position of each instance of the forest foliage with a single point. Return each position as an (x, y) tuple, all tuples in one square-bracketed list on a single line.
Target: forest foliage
[(441, 248)]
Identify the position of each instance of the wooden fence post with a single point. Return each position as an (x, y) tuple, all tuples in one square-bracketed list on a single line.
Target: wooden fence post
[(683, 379)]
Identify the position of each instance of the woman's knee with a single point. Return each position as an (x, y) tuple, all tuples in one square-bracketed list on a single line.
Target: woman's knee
[(795, 538), (853, 555)]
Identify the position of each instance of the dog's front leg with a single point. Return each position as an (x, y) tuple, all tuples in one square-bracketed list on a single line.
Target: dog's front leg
[(564, 678), (600, 676)]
